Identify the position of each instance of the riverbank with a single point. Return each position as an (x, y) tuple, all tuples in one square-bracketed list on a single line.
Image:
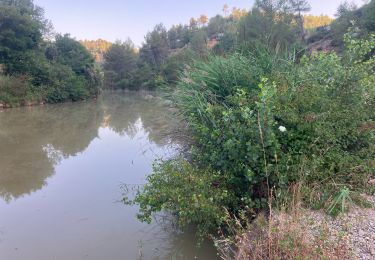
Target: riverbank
[(301, 233), (149, 94), (27, 104)]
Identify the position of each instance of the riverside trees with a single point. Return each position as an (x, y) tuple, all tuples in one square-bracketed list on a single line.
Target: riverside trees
[(52, 70)]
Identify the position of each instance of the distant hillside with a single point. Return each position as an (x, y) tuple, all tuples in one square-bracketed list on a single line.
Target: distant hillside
[(328, 38), (97, 48), (315, 21)]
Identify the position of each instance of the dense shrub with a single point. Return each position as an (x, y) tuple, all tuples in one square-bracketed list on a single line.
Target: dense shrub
[(120, 62), (180, 187), (325, 111), (349, 15), (260, 125), (65, 85), (51, 71), (14, 89)]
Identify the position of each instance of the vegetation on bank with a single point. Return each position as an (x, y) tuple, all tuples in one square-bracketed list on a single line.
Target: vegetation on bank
[(165, 53), (264, 117), (37, 67), (281, 25), (260, 129), (263, 112)]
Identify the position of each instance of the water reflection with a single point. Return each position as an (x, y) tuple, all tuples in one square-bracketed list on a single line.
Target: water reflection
[(34, 140), (62, 166), (175, 244)]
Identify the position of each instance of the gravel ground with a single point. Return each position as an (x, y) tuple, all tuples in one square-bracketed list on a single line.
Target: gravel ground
[(356, 228), (348, 236)]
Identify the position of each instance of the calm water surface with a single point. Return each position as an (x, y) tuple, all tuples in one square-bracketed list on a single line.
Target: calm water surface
[(62, 170)]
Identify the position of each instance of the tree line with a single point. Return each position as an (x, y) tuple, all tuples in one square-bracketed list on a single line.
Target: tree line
[(165, 53), (97, 48), (275, 24), (38, 66)]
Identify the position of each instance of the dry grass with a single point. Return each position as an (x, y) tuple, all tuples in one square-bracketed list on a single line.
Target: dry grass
[(287, 234)]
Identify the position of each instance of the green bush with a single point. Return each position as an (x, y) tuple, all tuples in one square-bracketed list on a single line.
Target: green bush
[(38, 70), (328, 110), (260, 123), (65, 85), (176, 63), (13, 90), (196, 196)]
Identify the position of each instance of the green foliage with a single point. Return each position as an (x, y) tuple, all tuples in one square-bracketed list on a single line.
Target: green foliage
[(178, 36), (73, 54), (120, 63), (348, 16), (259, 122), (275, 31), (48, 71), (65, 85), (162, 55), (14, 90), (199, 43), (216, 25), (159, 61), (325, 109), (19, 35), (155, 49), (176, 63), (193, 194), (369, 16), (340, 201)]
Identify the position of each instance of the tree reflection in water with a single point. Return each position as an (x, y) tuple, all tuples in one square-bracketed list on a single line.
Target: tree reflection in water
[(33, 140), (91, 145)]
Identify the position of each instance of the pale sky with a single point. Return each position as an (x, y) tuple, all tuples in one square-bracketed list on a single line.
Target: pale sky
[(119, 19)]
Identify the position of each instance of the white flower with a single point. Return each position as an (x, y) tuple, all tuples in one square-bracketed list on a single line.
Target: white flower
[(282, 129)]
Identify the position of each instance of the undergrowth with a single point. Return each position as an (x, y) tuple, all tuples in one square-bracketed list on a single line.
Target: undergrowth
[(288, 233), (260, 121)]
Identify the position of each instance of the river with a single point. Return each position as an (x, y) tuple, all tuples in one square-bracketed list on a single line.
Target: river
[(63, 169)]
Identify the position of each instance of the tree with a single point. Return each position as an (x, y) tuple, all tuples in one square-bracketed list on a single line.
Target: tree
[(20, 34), (120, 63), (369, 16), (226, 10), (216, 25), (267, 26), (203, 19), (272, 7), (97, 48), (156, 47), (199, 43), (346, 8), (175, 64), (313, 21), (193, 24), (52, 71), (73, 54), (28, 8), (347, 16), (178, 36), (237, 13), (298, 7)]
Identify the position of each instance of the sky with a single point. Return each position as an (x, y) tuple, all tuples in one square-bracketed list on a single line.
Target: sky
[(119, 19)]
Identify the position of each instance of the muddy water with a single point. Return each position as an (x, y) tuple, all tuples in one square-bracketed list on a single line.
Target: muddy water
[(62, 171)]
